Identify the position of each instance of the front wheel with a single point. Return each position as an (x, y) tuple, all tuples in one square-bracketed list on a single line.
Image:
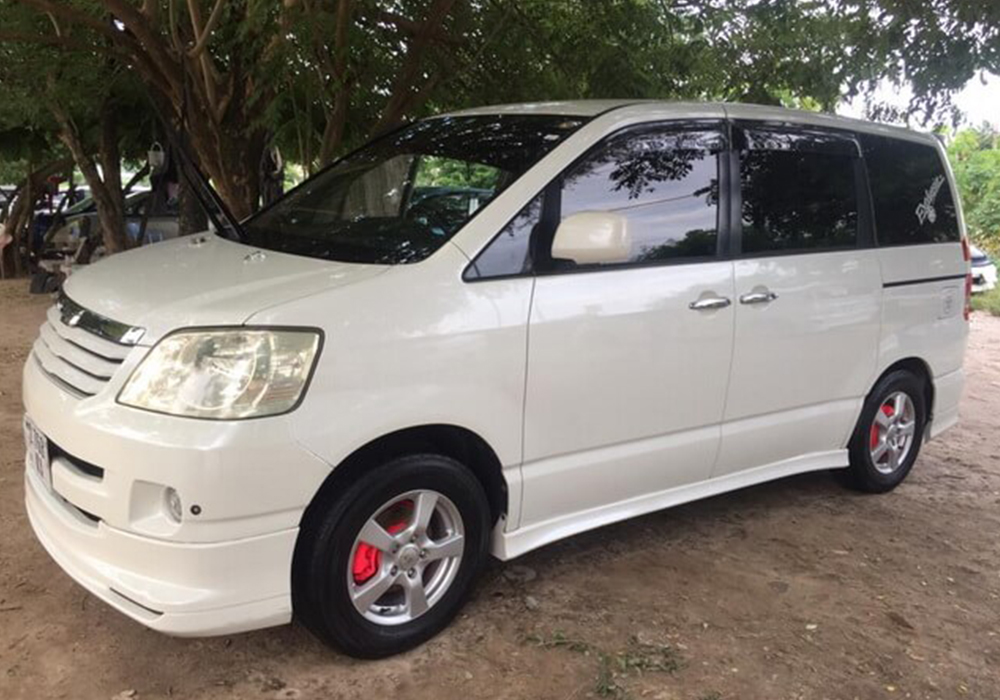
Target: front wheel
[(887, 439), (388, 562)]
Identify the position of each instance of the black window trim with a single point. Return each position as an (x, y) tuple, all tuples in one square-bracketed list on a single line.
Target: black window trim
[(730, 227), (552, 191), (866, 214)]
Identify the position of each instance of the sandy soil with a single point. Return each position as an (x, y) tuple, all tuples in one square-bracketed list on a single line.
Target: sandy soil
[(796, 589)]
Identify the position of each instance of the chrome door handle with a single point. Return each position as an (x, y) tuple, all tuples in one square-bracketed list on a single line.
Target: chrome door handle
[(709, 303), (758, 298)]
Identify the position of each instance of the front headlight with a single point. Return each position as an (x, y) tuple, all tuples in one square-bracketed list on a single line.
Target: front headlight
[(223, 374)]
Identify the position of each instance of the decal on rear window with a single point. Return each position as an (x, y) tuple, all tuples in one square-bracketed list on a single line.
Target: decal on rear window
[(910, 193), (925, 210)]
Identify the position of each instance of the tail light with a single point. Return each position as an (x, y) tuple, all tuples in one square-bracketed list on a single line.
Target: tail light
[(967, 311), (967, 257)]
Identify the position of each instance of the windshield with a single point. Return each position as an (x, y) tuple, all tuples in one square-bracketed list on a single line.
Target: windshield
[(403, 196)]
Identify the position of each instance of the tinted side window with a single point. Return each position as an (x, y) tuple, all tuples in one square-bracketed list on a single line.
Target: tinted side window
[(509, 253), (665, 182), (798, 189), (910, 192)]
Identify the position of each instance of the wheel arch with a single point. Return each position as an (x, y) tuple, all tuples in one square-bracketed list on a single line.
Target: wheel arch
[(461, 444), (918, 367)]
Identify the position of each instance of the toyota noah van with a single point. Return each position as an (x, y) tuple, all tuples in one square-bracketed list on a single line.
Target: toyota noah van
[(481, 333)]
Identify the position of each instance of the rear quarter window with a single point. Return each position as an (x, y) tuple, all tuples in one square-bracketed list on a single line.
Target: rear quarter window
[(910, 192)]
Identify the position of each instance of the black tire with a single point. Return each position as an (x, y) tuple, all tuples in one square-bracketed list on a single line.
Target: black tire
[(52, 284), (320, 594), (863, 473)]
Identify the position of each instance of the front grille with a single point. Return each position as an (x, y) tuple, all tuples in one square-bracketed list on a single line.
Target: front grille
[(81, 350)]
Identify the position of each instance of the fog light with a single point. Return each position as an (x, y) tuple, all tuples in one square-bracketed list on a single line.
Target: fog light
[(174, 506)]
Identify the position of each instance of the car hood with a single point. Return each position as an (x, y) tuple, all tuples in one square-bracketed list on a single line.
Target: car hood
[(202, 280)]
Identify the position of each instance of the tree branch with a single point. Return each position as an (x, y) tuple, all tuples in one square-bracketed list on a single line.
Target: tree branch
[(208, 76), (203, 37), (402, 93)]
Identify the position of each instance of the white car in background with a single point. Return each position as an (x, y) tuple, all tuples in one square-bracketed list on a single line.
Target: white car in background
[(984, 271)]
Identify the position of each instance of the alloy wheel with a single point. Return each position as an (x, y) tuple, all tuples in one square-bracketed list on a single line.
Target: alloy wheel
[(892, 432), (405, 557)]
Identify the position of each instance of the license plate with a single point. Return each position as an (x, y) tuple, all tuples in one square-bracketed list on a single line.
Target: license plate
[(37, 452)]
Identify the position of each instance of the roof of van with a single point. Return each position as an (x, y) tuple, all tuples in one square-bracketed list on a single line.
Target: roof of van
[(593, 108)]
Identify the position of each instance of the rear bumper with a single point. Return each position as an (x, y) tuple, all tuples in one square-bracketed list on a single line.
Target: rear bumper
[(179, 589), (947, 394)]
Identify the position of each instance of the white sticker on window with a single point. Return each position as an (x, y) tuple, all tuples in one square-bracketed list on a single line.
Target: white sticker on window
[(925, 210)]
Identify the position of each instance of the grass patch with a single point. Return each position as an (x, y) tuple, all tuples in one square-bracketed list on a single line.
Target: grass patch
[(558, 640), (987, 301), (614, 669)]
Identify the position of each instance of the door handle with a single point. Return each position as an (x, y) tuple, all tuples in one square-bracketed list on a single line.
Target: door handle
[(709, 303), (758, 298)]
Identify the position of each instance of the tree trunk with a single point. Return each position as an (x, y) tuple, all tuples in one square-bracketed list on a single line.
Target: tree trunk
[(106, 191), (191, 218), (230, 159)]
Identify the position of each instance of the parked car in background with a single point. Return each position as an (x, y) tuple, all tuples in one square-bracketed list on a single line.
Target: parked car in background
[(54, 205), (6, 197), (984, 271), (343, 413), (78, 240)]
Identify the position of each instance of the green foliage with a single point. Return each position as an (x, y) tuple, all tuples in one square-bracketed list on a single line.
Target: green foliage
[(319, 78), (975, 158), (437, 171), (987, 301)]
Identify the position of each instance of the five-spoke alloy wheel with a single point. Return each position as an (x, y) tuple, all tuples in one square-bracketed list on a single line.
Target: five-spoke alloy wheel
[(386, 559), (892, 432), (406, 557)]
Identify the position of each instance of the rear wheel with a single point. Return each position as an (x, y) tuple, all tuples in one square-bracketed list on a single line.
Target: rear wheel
[(389, 561), (887, 439)]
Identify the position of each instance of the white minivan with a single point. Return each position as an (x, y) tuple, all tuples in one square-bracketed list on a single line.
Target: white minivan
[(479, 334)]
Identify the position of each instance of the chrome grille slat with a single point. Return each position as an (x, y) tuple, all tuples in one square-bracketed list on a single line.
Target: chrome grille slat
[(88, 341), (84, 360), (77, 349), (74, 315), (76, 378), (59, 380)]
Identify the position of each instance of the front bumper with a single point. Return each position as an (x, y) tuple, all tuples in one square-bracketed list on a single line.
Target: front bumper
[(224, 569), (179, 589)]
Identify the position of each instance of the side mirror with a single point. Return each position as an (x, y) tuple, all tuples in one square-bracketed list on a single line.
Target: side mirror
[(590, 237)]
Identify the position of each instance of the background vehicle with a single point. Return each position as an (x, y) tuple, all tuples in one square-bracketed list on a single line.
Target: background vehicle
[(984, 271), (344, 412), (78, 240)]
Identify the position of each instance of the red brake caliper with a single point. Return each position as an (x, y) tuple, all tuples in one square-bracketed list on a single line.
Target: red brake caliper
[(888, 411), (368, 559)]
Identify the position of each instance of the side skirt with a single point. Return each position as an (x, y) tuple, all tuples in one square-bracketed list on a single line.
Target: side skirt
[(508, 545)]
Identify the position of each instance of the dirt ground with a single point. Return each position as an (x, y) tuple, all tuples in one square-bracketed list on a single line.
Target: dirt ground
[(795, 589)]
